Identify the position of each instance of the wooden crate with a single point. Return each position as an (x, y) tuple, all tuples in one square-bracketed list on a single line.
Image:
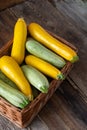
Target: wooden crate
[(23, 117)]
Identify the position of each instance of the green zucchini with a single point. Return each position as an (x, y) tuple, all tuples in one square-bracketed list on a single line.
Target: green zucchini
[(35, 48), (7, 80), (12, 84), (36, 78), (14, 96)]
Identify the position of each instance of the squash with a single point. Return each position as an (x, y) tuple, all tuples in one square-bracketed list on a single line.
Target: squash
[(44, 67), (44, 53), (36, 78), (41, 35), (13, 71), (19, 39), (14, 96)]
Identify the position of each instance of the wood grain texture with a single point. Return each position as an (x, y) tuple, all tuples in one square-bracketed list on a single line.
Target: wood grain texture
[(67, 109), (75, 31), (8, 3), (7, 21)]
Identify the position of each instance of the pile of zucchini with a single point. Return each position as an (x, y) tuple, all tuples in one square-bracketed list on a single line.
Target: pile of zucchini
[(33, 58)]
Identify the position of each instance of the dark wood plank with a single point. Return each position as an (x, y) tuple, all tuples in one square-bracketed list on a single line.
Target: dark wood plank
[(7, 21), (41, 16), (74, 24), (74, 99), (37, 124), (7, 3), (67, 107)]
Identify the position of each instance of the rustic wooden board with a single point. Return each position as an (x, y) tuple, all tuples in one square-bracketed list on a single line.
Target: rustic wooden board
[(67, 107), (7, 21), (75, 14), (66, 18), (7, 3)]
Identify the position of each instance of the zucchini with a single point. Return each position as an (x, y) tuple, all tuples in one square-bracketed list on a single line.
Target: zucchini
[(41, 35), (36, 78), (19, 39), (12, 84), (12, 70), (44, 53), (14, 96), (45, 67), (7, 80)]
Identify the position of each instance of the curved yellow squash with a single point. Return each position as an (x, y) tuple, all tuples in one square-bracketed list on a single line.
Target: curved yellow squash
[(52, 43), (19, 39), (13, 71), (44, 67)]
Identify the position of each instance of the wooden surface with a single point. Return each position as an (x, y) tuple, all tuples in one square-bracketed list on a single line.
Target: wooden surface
[(67, 109), (8, 3)]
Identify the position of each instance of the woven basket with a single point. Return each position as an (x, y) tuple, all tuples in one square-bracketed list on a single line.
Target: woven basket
[(23, 117)]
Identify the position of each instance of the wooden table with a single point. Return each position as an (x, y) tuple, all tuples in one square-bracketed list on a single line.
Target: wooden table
[(67, 109)]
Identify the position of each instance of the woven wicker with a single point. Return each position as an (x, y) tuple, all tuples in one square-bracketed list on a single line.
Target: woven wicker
[(23, 117)]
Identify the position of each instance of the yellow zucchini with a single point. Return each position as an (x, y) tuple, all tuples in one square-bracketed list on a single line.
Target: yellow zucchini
[(19, 39), (41, 35), (13, 71), (44, 67)]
